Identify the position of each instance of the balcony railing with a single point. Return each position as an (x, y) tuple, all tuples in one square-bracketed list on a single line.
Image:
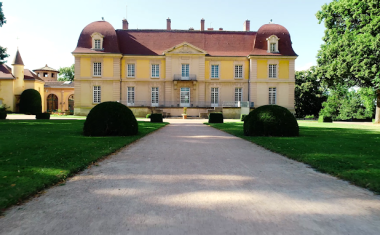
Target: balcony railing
[(179, 77), (175, 104)]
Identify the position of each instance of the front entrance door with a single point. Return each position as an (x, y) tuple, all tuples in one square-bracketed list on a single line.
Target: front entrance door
[(52, 103), (185, 97)]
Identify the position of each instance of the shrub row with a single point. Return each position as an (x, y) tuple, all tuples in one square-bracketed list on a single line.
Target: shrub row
[(324, 119), (271, 120), (43, 116), (215, 118), (110, 119), (156, 117)]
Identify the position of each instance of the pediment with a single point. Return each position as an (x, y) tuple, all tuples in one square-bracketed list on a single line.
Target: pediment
[(184, 48)]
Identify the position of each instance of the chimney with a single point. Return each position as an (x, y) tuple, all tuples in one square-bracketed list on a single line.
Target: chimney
[(125, 24), (247, 25), (168, 24), (220, 29), (210, 29), (202, 24)]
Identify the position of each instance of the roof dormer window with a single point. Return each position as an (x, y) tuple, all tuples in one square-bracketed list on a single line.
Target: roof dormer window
[(273, 44), (97, 41)]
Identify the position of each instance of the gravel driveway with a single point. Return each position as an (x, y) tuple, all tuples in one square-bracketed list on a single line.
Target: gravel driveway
[(188, 178)]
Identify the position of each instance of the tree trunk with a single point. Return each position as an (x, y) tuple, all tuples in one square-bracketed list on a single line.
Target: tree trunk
[(377, 115)]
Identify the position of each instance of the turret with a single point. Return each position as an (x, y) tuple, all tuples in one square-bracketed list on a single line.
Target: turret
[(18, 72)]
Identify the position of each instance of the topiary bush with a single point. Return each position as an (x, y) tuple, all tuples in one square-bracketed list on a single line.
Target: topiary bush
[(156, 117), (3, 115), (148, 115), (110, 119), (271, 120), (43, 116), (215, 118), (324, 119), (243, 116), (30, 102)]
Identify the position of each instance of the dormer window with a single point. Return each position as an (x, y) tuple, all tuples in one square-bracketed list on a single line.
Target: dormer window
[(97, 41), (273, 44)]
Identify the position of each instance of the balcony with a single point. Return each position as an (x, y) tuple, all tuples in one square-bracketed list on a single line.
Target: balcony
[(179, 77), (176, 104)]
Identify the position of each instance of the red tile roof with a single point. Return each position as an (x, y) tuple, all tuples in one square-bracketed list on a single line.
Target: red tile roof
[(29, 75), (5, 72), (46, 68), (18, 59), (155, 42)]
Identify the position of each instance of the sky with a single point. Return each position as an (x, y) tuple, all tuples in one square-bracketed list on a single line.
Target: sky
[(47, 31)]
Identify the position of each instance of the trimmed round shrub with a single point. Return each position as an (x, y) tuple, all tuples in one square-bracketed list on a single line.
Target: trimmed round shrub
[(156, 117), (271, 120), (215, 118), (3, 115), (324, 119), (110, 119), (43, 116), (148, 115), (30, 102)]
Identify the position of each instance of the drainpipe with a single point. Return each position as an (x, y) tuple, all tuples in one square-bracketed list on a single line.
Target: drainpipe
[(121, 58), (249, 79)]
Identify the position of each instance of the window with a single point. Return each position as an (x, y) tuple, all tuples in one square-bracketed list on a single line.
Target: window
[(238, 95), (238, 71), (131, 70), (97, 41), (131, 96), (272, 95), (273, 70), (96, 94), (45, 75), (97, 44), (155, 70), (185, 71), (38, 74), (272, 44), (214, 96), (154, 96), (52, 75), (273, 47), (214, 71), (97, 69)]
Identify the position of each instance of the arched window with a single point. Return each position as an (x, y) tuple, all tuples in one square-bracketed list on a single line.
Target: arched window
[(52, 103), (71, 103)]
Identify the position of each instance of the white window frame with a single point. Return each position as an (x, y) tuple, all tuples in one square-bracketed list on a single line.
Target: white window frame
[(272, 70), (272, 95), (97, 36), (97, 44), (214, 71), (185, 71), (155, 70), (214, 96), (238, 96), (238, 71), (96, 94), (272, 39), (97, 69), (184, 90), (155, 96), (131, 71), (131, 96)]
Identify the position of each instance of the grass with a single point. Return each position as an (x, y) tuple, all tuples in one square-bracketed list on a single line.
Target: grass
[(36, 154), (349, 152)]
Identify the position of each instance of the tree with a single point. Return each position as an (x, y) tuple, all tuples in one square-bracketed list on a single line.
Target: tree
[(351, 52), (66, 73), (309, 94), (344, 103), (3, 51)]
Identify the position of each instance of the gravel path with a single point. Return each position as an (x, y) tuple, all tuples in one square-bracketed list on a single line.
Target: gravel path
[(192, 179)]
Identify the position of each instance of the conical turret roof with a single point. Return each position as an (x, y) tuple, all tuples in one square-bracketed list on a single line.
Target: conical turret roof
[(18, 59)]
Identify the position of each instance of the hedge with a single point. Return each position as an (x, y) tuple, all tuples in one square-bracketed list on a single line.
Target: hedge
[(215, 118)]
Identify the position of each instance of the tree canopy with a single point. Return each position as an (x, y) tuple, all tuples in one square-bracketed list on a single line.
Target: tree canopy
[(3, 51), (66, 73), (350, 54), (309, 94)]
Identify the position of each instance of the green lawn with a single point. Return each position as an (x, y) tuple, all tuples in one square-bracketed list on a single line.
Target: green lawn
[(35, 154), (350, 152)]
